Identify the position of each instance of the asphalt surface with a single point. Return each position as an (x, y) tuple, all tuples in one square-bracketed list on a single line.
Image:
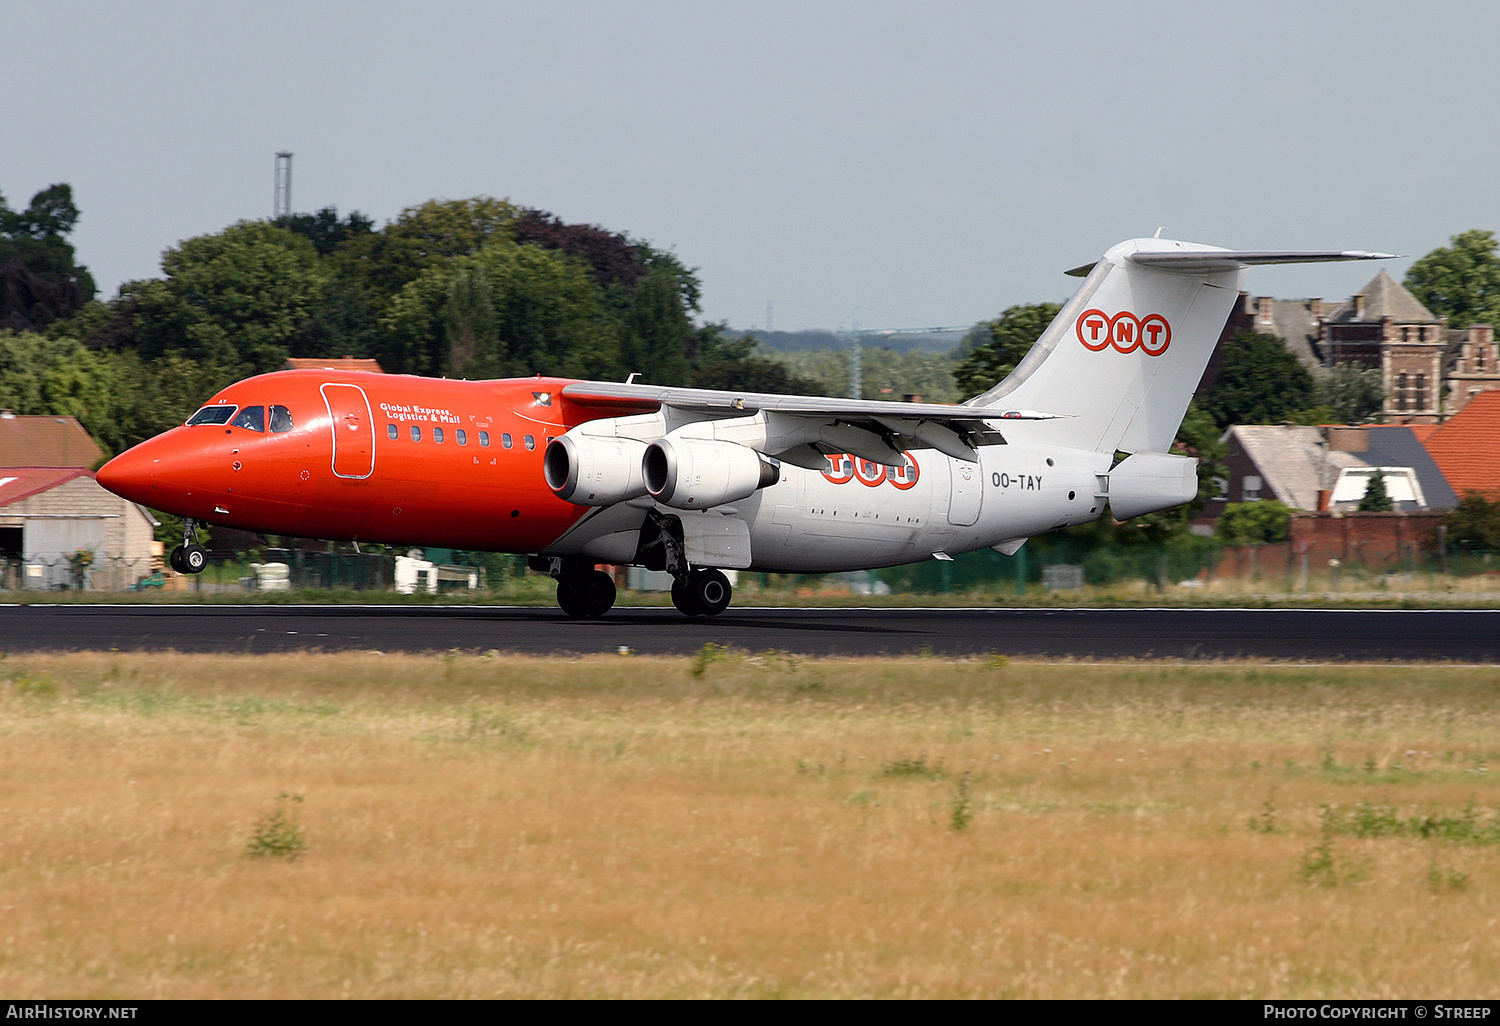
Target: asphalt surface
[(1469, 636)]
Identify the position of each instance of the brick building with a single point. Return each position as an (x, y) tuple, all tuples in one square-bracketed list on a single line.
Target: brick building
[(52, 509), (1428, 370)]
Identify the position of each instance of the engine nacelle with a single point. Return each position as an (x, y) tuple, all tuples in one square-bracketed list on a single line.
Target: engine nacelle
[(594, 471), (693, 473)]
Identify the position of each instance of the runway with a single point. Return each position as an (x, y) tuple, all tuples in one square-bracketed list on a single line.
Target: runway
[(1470, 636)]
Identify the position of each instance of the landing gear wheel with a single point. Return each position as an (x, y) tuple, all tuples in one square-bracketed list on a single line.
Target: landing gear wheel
[(586, 596), (194, 558), (188, 559), (682, 598), (709, 590)]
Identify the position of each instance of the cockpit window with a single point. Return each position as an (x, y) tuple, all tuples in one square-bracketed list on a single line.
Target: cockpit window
[(212, 415), (251, 418), (281, 419)]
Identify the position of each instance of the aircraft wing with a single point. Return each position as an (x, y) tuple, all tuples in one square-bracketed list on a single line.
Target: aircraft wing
[(952, 429)]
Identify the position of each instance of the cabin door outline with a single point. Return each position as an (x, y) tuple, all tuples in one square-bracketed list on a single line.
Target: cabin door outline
[(353, 428)]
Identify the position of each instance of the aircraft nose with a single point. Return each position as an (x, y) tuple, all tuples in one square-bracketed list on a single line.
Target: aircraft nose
[(130, 475)]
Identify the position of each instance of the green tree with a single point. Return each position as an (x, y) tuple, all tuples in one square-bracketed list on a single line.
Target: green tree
[(1376, 499), (237, 298), (1475, 523), (1351, 393), (725, 362), (656, 330), (548, 316), (1254, 523), (469, 317), (998, 345), (40, 281), (1460, 281), (1259, 382), (885, 373), (326, 231), (383, 263)]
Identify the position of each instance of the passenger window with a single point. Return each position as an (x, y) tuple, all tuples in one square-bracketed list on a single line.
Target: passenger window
[(484, 439), (212, 415), (416, 433), (251, 418), (281, 419), (437, 435), (530, 442), (505, 440), (460, 437), (391, 432)]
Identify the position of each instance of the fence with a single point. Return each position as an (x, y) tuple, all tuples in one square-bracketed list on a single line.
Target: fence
[(57, 572)]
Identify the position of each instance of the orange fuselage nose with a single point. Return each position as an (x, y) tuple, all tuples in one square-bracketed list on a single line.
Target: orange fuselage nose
[(174, 472)]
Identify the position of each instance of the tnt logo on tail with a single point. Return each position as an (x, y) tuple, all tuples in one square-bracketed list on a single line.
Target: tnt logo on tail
[(1125, 331)]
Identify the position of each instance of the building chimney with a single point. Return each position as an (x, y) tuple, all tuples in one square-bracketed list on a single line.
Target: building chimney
[(1349, 439), (1359, 306)]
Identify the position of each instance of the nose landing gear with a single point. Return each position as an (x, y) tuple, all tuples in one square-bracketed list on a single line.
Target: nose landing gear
[(189, 557)]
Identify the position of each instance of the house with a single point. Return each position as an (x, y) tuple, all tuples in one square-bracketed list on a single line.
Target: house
[(58, 527), (1329, 468), (339, 363), (1428, 370)]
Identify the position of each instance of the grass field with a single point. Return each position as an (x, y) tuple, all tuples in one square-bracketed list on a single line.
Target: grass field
[(372, 825)]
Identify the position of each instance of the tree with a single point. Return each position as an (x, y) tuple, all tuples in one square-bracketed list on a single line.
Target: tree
[(1376, 499), (1460, 281), (656, 330), (40, 281), (1254, 523), (326, 232), (383, 263), (1259, 382), (548, 318), (1475, 523), (237, 298), (998, 345), (468, 317), (1351, 393), (720, 361)]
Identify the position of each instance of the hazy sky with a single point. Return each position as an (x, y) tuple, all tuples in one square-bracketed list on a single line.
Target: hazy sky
[(894, 163)]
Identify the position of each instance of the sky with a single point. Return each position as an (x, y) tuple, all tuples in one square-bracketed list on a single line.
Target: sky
[(880, 163)]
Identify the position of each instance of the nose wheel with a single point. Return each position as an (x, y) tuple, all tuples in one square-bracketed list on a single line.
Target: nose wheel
[(702, 593), (189, 557)]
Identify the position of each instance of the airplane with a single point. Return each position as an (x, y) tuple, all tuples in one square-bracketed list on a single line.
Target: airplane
[(694, 481)]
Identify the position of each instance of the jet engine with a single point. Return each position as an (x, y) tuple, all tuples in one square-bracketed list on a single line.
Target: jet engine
[(698, 473), (594, 471)]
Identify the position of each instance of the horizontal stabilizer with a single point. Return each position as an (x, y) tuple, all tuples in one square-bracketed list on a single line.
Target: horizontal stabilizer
[(1230, 260)]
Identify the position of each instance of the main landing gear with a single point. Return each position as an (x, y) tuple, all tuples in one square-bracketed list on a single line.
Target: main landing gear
[(189, 557), (702, 592), (587, 594)]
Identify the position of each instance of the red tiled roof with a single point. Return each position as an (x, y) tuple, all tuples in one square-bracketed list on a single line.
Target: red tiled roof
[(345, 363), (46, 441), (1467, 447), (17, 483)]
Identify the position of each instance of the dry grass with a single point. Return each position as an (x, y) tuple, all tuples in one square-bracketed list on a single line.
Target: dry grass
[(499, 826)]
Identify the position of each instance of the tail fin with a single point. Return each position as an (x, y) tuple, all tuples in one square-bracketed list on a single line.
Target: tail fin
[(1120, 362)]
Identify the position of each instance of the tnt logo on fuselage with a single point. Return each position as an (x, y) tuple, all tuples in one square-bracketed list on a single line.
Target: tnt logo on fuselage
[(844, 467), (1124, 331)]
